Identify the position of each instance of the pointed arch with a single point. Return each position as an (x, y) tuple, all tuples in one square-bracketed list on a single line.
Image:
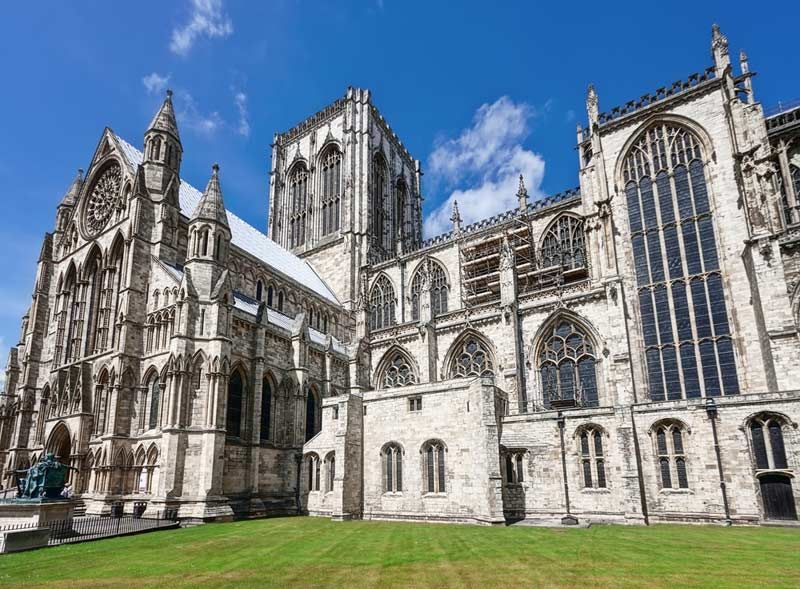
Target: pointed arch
[(379, 197), (670, 442), (382, 303), (268, 390), (313, 412), (396, 368), (297, 199), (566, 355), (688, 347), (235, 407), (471, 355), (431, 275), (330, 189), (59, 442), (767, 440), (563, 244)]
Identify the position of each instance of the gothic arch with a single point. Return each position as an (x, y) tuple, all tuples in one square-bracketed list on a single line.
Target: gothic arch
[(475, 361), (402, 375), (59, 442), (382, 302), (563, 243), (707, 146)]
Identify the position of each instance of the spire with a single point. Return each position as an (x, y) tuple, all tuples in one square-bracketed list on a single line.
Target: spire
[(211, 206), (456, 218), (592, 105), (522, 194), (165, 118), (719, 50), (71, 196)]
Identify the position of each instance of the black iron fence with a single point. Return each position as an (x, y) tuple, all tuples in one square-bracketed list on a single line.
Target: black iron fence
[(81, 529)]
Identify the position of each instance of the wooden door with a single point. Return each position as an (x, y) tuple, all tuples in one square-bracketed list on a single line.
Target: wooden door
[(776, 493)]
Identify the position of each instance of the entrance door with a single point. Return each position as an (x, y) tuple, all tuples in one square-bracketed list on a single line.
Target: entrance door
[(776, 492)]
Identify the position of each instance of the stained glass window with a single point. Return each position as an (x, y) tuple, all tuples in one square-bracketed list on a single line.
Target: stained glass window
[(399, 372), (567, 365), (382, 304), (472, 358), (392, 469), (564, 244), (434, 467), (438, 288), (688, 346)]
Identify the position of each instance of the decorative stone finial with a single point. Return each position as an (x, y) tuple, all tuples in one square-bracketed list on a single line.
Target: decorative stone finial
[(522, 194), (719, 50), (456, 218), (215, 168), (592, 104), (169, 93)]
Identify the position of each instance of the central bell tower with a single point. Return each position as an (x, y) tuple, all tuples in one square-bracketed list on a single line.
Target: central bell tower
[(344, 192)]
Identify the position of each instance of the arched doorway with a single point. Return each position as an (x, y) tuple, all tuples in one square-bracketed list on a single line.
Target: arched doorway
[(60, 444), (777, 496)]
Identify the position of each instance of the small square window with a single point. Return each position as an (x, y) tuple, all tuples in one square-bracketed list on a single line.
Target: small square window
[(415, 404)]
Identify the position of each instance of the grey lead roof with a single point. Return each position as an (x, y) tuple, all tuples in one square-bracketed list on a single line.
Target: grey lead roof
[(247, 237)]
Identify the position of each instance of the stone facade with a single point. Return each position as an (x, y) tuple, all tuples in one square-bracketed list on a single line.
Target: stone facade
[(625, 351)]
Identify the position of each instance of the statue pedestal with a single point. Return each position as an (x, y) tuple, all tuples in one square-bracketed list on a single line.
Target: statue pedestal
[(35, 511)]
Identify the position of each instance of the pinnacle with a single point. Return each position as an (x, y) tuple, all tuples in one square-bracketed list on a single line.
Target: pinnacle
[(71, 196), (211, 206), (165, 120)]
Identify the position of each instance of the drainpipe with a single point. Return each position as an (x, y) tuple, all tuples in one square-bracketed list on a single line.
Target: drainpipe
[(711, 410), (299, 459), (568, 519)]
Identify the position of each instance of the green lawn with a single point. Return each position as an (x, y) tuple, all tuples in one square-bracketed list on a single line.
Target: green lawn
[(305, 552)]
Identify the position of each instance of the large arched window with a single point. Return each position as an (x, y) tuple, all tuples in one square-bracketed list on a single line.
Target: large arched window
[(298, 200), (671, 455), (688, 346), (233, 413), (154, 391), (433, 472), (331, 189), (266, 408), (313, 469), (437, 284), (769, 450), (398, 372), (380, 185), (392, 460), (382, 303), (472, 357), (567, 366), (330, 471), (564, 244)]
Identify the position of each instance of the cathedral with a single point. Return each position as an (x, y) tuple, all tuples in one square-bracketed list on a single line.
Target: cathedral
[(620, 352)]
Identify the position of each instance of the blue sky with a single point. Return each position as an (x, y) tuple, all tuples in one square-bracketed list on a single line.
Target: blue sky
[(477, 91)]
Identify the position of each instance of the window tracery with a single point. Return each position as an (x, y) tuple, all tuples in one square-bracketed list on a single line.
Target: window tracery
[(592, 458), (102, 200), (769, 450), (382, 304), (298, 197), (331, 189), (380, 175), (567, 366), (564, 244), (688, 345), (433, 474), (671, 456), (392, 457), (399, 372), (472, 358), (434, 274)]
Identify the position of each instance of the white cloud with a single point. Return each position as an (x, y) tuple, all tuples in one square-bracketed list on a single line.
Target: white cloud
[(207, 19), (155, 83), (240, 100), (190, 116), (481, 167)]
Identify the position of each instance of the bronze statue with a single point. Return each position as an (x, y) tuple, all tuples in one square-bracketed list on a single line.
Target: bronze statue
[(45, 480)]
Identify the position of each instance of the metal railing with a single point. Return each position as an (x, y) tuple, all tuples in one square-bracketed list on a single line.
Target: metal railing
[(81, 529)]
